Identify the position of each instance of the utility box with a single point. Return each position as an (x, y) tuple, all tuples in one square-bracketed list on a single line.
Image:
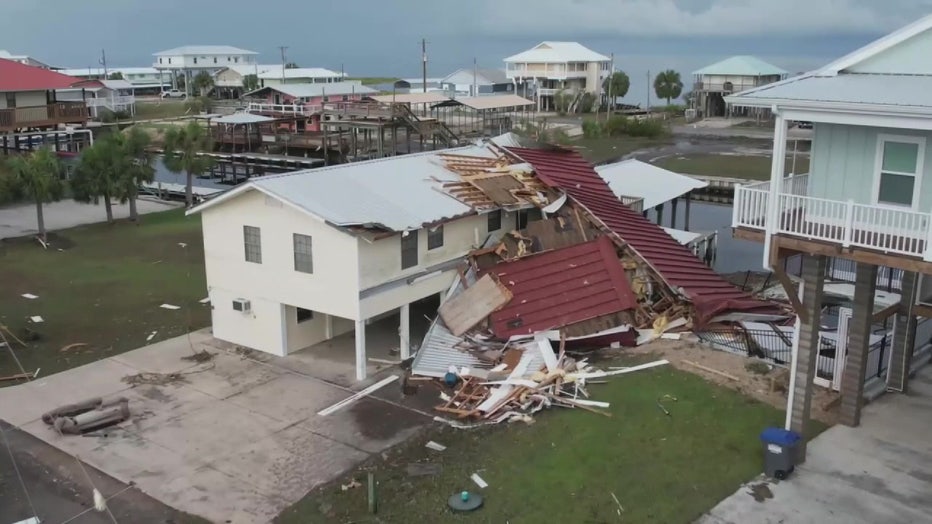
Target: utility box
[(779, 452)]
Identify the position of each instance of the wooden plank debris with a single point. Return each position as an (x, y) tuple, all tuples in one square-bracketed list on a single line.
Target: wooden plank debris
[(710, 370), (30, 296), (462, 312), (353, 398), (435, 446), (479, 481), (170, 306)]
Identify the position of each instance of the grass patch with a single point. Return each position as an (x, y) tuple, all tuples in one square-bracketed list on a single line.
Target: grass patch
[(103, 290), (160, 109), (564, 467), (751, 167), (604, 149)]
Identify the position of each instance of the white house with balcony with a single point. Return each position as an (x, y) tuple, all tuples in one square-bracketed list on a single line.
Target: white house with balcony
[(145, 80), (187, 61), (866, 199), (299, 258), (550, 67), (102, 97), (733, 75)]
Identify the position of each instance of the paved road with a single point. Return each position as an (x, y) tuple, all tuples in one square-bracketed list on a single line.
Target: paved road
[(59, 490)]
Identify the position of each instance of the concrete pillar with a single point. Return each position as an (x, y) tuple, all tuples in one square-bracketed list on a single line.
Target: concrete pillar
[(404, 330), (904, 336), (805, 350), (361, 349), (328, 326), (859, 332)]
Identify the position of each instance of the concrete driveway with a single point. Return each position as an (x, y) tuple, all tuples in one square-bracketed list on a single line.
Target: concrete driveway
[(878, 472), (20, 220), (235, 440)]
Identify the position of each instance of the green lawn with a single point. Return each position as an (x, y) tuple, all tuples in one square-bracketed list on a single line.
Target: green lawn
[(565, 466), (160, 109), (752, 167), (104, 289), (599, 150)]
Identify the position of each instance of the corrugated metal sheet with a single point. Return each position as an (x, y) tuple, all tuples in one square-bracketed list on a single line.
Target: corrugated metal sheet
[(561, 287), (743, 65), (655, 185), (319, 89), (430, 97), (889, 90), (242, 118), (398, 193), (708, 291), (558, 52), (438, 350), (494, 101)]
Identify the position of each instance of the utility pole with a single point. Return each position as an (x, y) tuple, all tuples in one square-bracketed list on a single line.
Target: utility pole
[(611, 78), (103, 62), (475, 77), (424, 63), (648, 90), (282, 48)]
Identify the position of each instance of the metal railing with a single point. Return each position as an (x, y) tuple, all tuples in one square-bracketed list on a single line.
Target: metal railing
[(884, 228)]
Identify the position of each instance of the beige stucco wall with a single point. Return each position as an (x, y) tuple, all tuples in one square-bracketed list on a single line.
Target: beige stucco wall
[(333, 288)]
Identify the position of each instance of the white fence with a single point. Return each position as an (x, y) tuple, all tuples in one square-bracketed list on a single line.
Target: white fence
[(883, 228)]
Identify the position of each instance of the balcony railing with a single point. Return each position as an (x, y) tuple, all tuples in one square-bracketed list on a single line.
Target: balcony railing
[(111, 102), (284, 109), (38, 116), (882, 228)]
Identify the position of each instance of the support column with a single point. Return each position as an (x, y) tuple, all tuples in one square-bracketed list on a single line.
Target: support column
[(805, 350), (328, 326), (361, 349), (404, 330), (859, 332), (674, 203), (659, 210), (904, 336), (689, 200), (777, 167)]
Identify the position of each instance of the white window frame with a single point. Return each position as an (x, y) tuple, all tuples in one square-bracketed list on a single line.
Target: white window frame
[(882, 139)]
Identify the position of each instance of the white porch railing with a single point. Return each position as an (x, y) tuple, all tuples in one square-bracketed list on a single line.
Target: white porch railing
[(286, 109), (882, 228), (111, 102)]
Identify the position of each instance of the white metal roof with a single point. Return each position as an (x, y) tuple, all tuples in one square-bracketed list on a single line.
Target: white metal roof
[(683, 237), (913, 92), (430, 97), (319, 89), (558, 52), (205, 50), (300, 72), (399, 193), (743, 65), (482, 77), (117, 84), (251, 69), (242, 118), (494, 101), (879, 46), (639, 179)]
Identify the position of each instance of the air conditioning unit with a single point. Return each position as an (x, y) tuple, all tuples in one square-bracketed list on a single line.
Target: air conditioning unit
[(242, 305)]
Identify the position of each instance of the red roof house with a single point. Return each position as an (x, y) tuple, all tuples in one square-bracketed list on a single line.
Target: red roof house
[(23, 86), (709, 293)]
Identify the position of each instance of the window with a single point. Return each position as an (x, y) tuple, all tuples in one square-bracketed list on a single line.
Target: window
[(10, 100), (522, 219), (228, 59), (195, 59), (409, 249), (215, 59), (252, 239), (303, 315), (345, 98), (160, 60), (495, 220), (303, 260), (236, 59), (435, 237), (169, 60), (899, 162), (326, 99)]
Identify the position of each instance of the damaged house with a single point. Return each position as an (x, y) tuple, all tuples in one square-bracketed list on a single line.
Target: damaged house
[(516, 241)]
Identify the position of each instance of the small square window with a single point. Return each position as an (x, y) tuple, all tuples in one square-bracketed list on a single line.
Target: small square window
[(495, 220), (252, 240), (303, 315), (435, 237)]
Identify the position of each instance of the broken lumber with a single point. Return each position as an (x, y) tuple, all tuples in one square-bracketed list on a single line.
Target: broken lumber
[(353, 398), (463, 311), (711, 370)]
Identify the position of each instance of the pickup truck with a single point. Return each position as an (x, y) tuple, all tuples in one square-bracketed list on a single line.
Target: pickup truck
[(174, 93)]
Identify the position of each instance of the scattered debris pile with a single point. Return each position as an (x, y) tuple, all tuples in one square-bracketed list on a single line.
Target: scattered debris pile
[(539, 379), (88, 415)]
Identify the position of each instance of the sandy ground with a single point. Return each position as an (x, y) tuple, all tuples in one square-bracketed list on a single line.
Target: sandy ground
[(769, 388), (20, 220)]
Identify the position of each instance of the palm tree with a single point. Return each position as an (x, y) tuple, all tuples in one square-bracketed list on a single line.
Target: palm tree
[(96, 175), (182, 145), (37, 176), (616, 85), (136, 170), (668, 85), (203, 82)]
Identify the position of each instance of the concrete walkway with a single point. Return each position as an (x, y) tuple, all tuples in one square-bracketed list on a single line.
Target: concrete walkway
[(878, 472), (20, 220), (232, 440)]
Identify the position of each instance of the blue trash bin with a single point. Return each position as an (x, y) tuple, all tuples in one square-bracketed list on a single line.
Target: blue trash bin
[(779, 451)]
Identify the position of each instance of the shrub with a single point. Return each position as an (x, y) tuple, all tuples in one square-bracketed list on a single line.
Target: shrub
[(586, 102), (591, 129), (648, 128)]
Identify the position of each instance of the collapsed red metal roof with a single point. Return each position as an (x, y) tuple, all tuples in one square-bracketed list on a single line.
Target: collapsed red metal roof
[(21, 77), (710, 294), (557, 288)]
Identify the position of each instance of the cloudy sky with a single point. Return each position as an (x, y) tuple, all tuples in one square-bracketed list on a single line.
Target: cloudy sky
[(379, 37)]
